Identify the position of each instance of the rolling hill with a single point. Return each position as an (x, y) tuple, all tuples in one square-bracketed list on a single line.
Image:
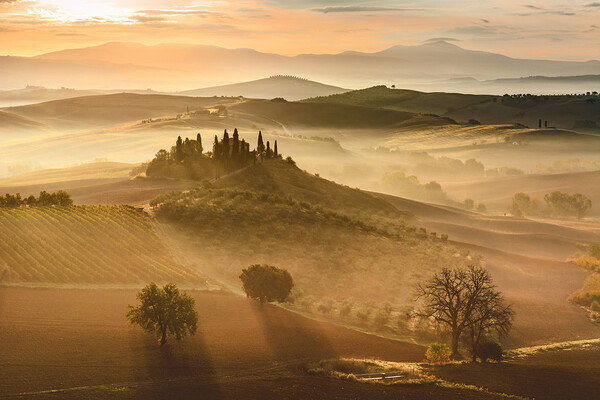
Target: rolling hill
[(287, 87), (112, 109), (86, 245), (566, 112)]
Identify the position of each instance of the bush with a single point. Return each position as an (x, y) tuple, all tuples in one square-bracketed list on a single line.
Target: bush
[(489, 351), (266, 283), (444, 237), (595, 306), (438, 353)]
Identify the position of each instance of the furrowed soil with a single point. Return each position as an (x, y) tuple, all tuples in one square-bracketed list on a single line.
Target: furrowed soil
[(73, 344)]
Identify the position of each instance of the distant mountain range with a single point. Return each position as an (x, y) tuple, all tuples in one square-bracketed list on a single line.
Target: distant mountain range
[(169, 67)]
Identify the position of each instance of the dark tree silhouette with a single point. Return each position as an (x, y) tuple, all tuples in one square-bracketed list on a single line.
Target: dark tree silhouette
[(199, 140), (236, 144), (275, 152), (164, 311), (465, 299), (266, 283), (179, 149), (269, 151), (260, 148)]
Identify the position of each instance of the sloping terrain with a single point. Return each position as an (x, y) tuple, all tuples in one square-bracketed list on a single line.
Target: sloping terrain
[(75, 344), (96, 170), (497, 193), (88, 245), (108, 110), (287, 87), (566, 112), (527, 260)]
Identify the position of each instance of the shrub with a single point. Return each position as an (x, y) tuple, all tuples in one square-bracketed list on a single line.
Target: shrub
[(444, 237), (488, 350), (266, 283), (438, 353), (595, 306)]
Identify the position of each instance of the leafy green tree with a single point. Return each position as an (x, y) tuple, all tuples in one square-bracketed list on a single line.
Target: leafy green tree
[(266, 283), (438, 353), (164, 311)]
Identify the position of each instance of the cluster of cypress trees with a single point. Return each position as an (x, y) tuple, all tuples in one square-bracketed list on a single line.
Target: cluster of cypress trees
[(187, 160), (233, 154)]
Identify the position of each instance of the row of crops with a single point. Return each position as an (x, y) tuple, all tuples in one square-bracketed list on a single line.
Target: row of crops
[(84, 245)]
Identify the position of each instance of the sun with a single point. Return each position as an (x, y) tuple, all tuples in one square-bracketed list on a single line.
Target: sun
[(67, 11)]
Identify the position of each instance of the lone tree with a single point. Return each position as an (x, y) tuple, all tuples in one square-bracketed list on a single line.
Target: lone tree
[(164, 311), (266, 283), (465, 300)]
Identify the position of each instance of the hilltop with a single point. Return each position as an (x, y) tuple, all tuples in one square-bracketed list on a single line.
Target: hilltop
[(287, 87)]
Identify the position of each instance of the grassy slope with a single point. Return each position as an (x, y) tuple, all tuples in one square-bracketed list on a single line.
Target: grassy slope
[(296, 114), (342, 259), (84, 245), (403, 100), (109, 110), (562, 112), (97, 170)]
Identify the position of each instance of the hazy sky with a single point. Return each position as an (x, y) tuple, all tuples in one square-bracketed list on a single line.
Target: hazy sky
[(554, 29)]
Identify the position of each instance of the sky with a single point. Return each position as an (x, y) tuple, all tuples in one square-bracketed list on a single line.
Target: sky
[(548, 29)]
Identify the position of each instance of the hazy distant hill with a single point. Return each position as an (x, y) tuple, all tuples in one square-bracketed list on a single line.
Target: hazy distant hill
[(288, 87), (181, 66)]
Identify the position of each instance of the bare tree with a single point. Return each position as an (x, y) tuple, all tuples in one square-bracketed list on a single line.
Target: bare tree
[(465, 299)]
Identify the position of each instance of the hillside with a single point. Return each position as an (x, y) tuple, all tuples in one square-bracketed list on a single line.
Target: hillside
[(288, 87), (307, 115), (95, 170), (84, 245), (94, 112), (329, 237), (566, 112)]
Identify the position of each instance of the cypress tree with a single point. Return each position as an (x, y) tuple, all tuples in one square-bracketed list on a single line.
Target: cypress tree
[(236, 144), (225, 145), (216, 148), (179, 149), (243, 153), (199, 140), (269, 151), (261, 146), (276, 154)]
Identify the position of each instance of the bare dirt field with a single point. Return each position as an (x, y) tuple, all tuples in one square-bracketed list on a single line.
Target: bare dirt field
[(527, 260), (73, 344), (564, 374)]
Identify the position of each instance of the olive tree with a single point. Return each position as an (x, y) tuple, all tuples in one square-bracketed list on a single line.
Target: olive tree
[(266, 283), (164, 311)]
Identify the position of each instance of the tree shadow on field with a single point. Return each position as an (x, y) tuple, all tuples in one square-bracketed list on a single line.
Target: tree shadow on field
[(292, 338), (177, 370)]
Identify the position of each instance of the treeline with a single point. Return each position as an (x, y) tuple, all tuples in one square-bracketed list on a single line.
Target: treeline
[(60, 198), (187, 160), (557, 204)]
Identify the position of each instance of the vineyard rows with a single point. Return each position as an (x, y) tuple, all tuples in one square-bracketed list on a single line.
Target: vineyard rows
[(84, 245)]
